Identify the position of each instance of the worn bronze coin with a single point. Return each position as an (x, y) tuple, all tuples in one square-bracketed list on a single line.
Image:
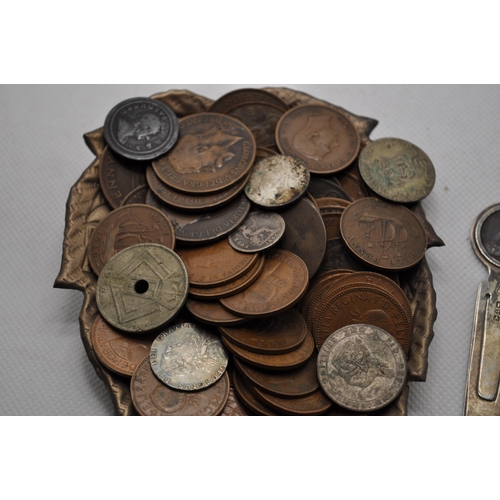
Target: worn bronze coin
[(213, 152), (277, 181), (332, 202), (119, 176), (233, 406), (202, 227), (216, 264), (337, 256), (277, 334), (188, 357), (305, 234), (187, 201), (153, 398), (259, 231), (127, 226), (141, 128), (323, 138), (142, 288), (287, 361), (397, 170), (320, 187), (213, 313), (287, 383), (136, 197), (280, 286), (119, 352), (362, 368), (249, 400), (383, 235), (331, 219), (241, 97)]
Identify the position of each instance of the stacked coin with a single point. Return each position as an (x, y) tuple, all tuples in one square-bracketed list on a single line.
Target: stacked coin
[(254, 223)]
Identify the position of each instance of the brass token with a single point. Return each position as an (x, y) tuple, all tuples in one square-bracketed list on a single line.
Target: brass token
[(397, 170), (213, 152), (324, 139), (117, 351), (216, 264), (362, 368), (212, 313), (383, 235), (127, 226), (280, 286), (142, 288), (188, 357), (153, 398), (277, 334), (287, 361)]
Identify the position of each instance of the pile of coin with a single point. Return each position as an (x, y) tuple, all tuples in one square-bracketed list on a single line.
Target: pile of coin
[(255, 248)]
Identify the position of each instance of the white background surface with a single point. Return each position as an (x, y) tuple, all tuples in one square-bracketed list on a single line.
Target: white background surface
[(43, 366)]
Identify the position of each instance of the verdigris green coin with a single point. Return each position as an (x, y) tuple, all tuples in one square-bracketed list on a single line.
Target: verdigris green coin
[(142, 288)]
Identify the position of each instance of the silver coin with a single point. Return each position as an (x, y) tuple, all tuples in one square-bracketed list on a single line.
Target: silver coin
[(362, 368), (188, 358), (141, 129), (142, 288), (259, 231), (277, 181)]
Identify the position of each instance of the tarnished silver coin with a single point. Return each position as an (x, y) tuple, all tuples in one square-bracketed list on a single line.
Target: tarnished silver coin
[(188, 357), (141, 128), (259, 231), (277, 181), (142, 288), (362, 368), (397, 170)]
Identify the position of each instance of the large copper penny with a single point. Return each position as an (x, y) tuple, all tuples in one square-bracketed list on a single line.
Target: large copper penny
[(280, 286), (397, 170), (324, 139), (127, 226), (213, 152), (248, 399), (119, 176), (153, 398), (287, 361), (188, 357), (277, 334), (289, 383), (383, 235), (241, 97), (200, 227), (187, 201), (362, 368), (216, 264), (142, 288), (117, 351), (212, 313)]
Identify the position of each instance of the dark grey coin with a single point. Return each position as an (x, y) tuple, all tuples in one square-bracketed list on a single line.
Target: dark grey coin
[(486, 234), (325, 188), (205, 226), (141, 129), (259, 231)]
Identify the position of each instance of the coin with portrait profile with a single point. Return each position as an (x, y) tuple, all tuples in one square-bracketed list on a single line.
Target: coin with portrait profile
[(362, 368)]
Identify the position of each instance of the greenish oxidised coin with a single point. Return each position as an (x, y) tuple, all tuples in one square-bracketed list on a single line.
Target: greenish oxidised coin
[(188, 358), (397, 170), (142, 288)]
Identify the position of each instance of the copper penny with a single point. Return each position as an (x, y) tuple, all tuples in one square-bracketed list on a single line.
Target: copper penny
[(280, 286), (119, 176), (213, 152), (277, 334), (153, 398), (305, 234), (119, 352), (136, 197), (288, 383), (324, 139), (233, 407), (236, 286), (187, 201), (216, 264), (202, 227), (383, 235), (127, 226), (287, 361), (212, 313), (248, 399), (244, 96)]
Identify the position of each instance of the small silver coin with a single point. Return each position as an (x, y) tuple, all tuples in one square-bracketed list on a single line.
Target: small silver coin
[(142, 288), (188, 358), (362, 368), (259, 231), (277, 181)]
